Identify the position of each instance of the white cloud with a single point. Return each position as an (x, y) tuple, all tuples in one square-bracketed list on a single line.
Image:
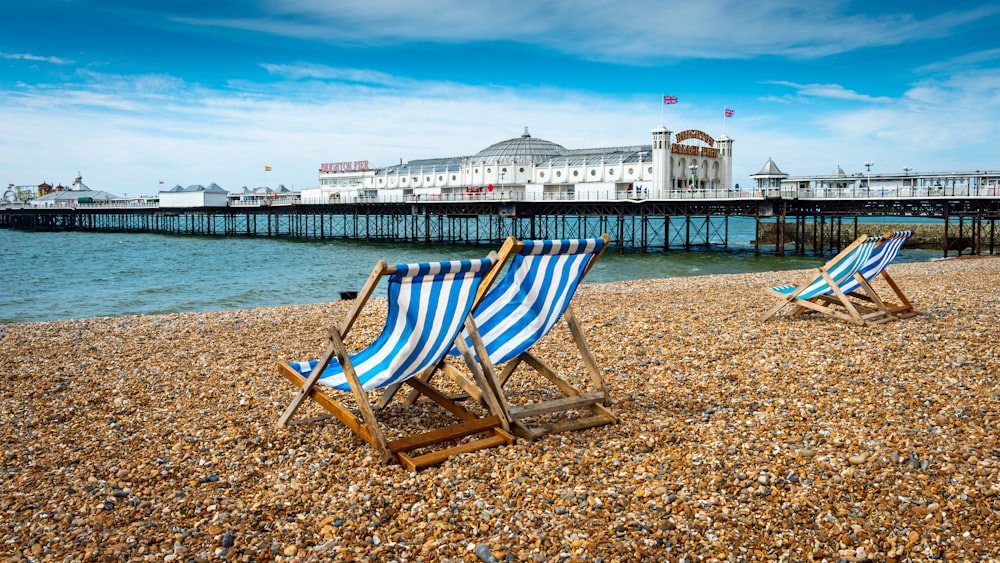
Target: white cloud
[(637, 32), (34, 58), (143, 129), (831, 91), (126, 133), (962, 62), (937, 125)]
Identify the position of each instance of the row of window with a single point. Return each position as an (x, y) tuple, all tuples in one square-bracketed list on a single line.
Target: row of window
[(576, 173)]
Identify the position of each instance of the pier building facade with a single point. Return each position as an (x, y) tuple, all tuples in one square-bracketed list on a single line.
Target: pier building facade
[(532, 168)]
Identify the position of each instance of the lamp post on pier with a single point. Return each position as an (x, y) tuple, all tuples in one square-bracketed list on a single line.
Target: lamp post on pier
[(868, 165)]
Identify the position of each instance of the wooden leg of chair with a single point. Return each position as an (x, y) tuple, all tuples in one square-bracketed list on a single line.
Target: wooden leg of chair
[(906, 305), (588, 359), (413, 394), (508, 370), (483, 372), (307, 386), (881, 312), (564, 386), (779, 304), (300, 395), (441, 399), (469, 387), (360, 396), (333, 407), (387, 395), (852, 311)]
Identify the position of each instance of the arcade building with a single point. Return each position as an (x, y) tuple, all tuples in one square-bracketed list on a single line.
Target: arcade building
[(530, 168)]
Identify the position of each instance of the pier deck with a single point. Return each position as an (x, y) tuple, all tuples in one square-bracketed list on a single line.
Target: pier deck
[(797, 226)]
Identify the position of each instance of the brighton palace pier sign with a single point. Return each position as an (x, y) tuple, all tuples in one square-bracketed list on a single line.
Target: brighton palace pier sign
[(353, 166), (693, 150)]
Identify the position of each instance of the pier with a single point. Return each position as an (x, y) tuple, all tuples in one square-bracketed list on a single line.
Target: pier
[(784, 225)]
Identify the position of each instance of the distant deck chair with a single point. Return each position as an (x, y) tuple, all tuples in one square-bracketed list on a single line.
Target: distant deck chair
[(428, 306), (517, 312), (858, 286), (812, 295)]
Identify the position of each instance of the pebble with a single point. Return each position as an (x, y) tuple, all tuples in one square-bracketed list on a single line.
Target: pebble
[(801, 438)]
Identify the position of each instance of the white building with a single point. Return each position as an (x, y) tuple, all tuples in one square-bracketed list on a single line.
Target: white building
[(194, 196), (530, 168), (76, 195), (864, 184)]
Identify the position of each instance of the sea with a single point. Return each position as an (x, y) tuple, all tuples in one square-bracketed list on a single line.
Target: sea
[(67, 275)]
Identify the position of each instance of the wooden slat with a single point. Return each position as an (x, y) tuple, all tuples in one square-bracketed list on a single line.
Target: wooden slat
[(470, 388), (447, 434), (310, 419), (433, 458), (532, 433), (441, 399), (555, 405), (539, 366)]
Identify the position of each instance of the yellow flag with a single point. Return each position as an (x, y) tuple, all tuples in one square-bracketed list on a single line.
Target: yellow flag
[(267, 169)]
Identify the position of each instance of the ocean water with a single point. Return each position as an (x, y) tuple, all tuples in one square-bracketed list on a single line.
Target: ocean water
[(65, 275)]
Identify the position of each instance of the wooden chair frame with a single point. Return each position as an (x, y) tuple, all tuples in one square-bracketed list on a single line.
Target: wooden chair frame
[(366, 426), (871, 305), (573, 398), (827, 304)]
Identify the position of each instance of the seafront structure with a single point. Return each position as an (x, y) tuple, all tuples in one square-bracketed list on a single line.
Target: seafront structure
[(530, 168), (77, 193), (677, 191), (774, 183)]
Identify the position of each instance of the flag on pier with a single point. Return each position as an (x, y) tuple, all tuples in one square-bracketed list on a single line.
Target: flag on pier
[(669, 100), (729, 112)]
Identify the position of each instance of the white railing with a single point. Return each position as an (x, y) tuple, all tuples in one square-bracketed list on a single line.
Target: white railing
[(621, 195), (89, 205), (900, 192)]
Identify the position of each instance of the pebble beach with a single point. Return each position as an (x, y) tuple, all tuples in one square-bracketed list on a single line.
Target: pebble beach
[(152, 438)]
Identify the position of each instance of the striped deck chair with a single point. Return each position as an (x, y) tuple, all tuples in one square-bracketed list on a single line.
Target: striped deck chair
[(428, 306), (520, 310), (858, 286), (828, 279)]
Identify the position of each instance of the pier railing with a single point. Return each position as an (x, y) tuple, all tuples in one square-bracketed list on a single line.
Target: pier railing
[(789, 193), (617, 195)]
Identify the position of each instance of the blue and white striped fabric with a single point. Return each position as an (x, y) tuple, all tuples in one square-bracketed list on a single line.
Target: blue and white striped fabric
[(533, 295), (428, 305), (879, 260), (843, 269)]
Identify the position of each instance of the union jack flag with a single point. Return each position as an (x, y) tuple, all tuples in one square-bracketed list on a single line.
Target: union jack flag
[(729, 112), (670, 99)]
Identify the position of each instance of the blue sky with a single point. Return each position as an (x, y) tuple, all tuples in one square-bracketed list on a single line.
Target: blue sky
[(131, 93)]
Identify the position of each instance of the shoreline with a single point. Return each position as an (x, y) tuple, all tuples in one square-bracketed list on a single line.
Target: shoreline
[(152, 437)]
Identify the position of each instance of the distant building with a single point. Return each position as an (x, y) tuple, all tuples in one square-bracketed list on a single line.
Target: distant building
[(194, 196), (769, 179), (76, 194), (772, 182), (263, 196)]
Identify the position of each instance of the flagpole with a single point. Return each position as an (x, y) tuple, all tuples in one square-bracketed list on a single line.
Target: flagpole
[(662, 103)]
